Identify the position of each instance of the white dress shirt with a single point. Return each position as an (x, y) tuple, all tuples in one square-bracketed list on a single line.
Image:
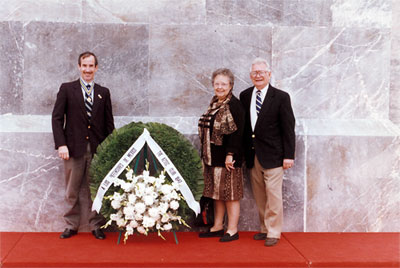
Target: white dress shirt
[(253, 111)]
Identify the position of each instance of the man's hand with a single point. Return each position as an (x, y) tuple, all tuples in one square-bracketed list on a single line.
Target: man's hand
[(288, 163), (63, 152)]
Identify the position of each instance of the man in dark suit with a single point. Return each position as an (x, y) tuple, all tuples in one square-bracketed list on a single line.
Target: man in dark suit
[(82, 118), (269, 141)]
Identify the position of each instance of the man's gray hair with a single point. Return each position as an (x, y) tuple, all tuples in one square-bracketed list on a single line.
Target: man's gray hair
[(260, 60)]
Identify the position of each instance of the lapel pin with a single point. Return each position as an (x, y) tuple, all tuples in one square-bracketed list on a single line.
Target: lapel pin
[(100, 96)]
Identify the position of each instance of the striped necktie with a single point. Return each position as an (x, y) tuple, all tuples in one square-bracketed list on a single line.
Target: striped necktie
[(88, 101), (258, 101)]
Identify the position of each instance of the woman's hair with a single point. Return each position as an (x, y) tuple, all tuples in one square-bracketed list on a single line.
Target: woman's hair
[(225, 72)]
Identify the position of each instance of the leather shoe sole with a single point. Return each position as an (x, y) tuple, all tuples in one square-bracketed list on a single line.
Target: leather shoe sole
[(68, 233), (228, 238), (98, 233), (269, 242), (260, 236)]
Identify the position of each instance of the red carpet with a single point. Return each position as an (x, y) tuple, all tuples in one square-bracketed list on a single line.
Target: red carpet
[(294, 250), (348, 249)]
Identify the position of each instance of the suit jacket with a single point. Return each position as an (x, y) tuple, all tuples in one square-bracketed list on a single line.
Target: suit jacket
[(273, 138), (70, 122)]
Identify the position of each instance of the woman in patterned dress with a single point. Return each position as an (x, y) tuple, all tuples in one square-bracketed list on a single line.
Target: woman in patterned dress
[(220, 132)]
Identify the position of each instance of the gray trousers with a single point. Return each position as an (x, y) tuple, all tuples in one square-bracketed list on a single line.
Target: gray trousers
[(76, 181)]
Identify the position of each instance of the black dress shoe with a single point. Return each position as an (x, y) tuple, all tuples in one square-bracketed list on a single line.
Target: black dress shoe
[(228, 238), (207, 234), (98, 233), (260, 236), (68, 233)]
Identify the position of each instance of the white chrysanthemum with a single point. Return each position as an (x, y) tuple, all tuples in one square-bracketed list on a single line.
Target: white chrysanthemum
[(175, 185), (141, 230), (150, 179), (140, 189), (146, 174), (121, 222), (148, 200), (118, 182), (129, 174), (140, 207), (114, 217), (174, 195), (117, 196), (174, 204), (132, 198), (116, 204), (129, 212), (154, 213), (166, 189), (133, 224), (149, 190), (129, 230), (127, 186), (165, 218), (138, 217), (167, 226), (163, 207), (148, 222)]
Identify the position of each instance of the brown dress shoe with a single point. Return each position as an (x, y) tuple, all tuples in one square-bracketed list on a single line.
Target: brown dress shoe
[(68, 233), (269, 242), (260, 236)]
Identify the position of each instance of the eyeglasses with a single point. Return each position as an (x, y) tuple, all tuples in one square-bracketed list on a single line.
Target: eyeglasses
[(261, 73), (221, 85)]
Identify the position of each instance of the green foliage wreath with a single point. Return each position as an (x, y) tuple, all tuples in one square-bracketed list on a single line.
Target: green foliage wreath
[(181, 152)]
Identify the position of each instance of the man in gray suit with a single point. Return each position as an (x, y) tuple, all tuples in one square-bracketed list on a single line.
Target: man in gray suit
[(82, 118), (269, 141)]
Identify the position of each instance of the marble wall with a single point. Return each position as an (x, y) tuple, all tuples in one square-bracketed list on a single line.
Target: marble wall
[(338, 59)]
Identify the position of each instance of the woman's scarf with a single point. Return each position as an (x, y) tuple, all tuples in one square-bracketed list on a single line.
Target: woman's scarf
[(223, 125)]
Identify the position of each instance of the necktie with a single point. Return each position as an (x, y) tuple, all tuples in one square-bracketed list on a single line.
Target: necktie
[(258, 101), (88, 101)]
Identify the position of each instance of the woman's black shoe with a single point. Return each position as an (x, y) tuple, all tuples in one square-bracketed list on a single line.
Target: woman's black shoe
[(207, 234), (228, 238)]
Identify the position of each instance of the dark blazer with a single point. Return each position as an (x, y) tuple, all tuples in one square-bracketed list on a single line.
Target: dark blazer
[(273, 138), (75, 130), (231, 143)]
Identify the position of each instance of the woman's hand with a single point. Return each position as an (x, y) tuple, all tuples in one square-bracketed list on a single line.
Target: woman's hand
[(229, 162)]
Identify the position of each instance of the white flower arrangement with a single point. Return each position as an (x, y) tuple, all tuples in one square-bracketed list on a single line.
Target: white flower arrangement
[(147, 204)]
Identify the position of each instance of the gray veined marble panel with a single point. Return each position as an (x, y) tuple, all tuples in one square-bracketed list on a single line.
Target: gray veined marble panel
[(353, 184), (11, 66), (139, 11), (183, 58), (51, 58), (333, 72), (395, 66), (41, 10), (270, 12), (31, 183), (362, 13)]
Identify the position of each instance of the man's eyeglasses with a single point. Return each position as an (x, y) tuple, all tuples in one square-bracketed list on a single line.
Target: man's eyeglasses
[(261, 73)]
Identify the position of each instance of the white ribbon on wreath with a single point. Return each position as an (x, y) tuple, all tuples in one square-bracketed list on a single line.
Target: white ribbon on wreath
[(129, 155)]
